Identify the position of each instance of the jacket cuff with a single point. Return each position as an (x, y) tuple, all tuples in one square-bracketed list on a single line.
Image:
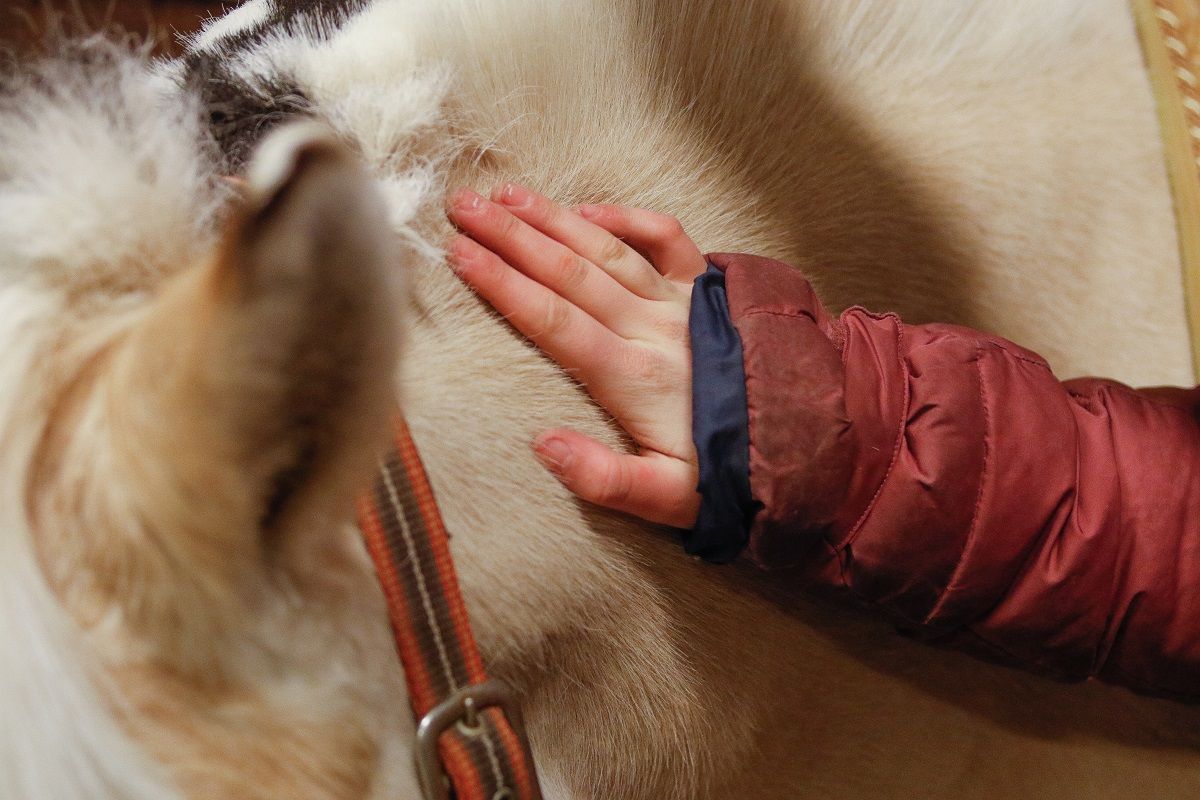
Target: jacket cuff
[(720, 425), (803, 453)]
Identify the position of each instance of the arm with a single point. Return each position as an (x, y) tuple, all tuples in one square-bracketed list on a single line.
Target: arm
[(948, 477), (941, 474)]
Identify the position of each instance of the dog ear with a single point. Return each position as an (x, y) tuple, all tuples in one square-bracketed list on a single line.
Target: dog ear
[(303, 338), (266, 377)]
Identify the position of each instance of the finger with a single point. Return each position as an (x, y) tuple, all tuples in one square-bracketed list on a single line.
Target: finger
[(654, 487), (562, 330), (660, 237), (619, 260), (546, 261)]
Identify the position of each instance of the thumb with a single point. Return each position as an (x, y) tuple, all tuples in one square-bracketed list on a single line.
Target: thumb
[(654, 487)]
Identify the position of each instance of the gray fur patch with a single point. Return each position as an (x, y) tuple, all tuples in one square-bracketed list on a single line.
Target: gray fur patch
[(241, 112)]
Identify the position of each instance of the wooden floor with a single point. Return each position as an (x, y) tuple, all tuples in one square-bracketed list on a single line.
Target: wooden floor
[(22, 22)]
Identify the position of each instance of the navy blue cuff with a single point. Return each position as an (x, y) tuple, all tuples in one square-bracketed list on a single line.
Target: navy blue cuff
[(720, 425)]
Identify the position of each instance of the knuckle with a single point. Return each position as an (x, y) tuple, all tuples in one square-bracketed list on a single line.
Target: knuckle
[(613, 251), (555, 317), (672, 328), (615, 483), (506, 224), (571, 271), (667, 227), (644, 366)]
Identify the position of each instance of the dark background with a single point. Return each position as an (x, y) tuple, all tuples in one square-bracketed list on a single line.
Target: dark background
[(24, 22)]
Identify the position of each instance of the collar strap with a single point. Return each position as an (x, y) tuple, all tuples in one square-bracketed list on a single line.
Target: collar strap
[(470, 738)]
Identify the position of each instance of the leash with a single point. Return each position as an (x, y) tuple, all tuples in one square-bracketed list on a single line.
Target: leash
[(470, 742)]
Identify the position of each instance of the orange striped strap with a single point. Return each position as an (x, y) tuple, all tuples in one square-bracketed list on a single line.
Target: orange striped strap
[(470, 741)]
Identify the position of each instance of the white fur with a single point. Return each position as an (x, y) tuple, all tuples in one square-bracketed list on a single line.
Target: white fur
[(106, 182), (102, 181), (1021, 133), (59, 737), (239, 19)]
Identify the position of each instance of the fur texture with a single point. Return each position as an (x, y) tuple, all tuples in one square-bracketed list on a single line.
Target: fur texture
[(190, 612)]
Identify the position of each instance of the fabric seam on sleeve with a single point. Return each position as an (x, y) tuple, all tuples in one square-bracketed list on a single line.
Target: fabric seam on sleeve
[(901, 427), (972, 532)]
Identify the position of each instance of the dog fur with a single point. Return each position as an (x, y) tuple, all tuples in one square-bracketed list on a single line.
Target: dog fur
[(186, 608)]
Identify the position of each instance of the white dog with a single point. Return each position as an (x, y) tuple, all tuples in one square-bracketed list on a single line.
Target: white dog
[(196, 378)]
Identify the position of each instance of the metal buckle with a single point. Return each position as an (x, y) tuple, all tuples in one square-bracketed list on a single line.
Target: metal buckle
[(462, 709)]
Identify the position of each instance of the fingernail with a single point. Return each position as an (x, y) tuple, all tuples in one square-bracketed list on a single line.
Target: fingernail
[(587, 211), (553, 453), (466, 200), (513, 195)]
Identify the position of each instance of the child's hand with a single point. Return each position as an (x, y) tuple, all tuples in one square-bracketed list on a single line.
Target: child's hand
[(614, 319)]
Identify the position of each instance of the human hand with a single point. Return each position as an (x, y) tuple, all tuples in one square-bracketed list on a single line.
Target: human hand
[(576, 283)]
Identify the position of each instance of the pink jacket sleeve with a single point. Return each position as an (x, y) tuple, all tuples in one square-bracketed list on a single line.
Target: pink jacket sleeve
[(947, 476)]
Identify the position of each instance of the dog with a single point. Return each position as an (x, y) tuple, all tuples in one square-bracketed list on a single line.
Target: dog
[(198, 372)]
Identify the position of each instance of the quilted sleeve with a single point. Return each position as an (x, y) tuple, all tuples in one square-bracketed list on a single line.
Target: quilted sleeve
[(947, 477)]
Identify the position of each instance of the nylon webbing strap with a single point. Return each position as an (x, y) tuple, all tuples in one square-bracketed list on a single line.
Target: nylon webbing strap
[(469, 728)]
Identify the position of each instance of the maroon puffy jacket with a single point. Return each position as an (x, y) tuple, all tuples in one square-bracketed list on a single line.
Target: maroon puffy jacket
[(947, 476)]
